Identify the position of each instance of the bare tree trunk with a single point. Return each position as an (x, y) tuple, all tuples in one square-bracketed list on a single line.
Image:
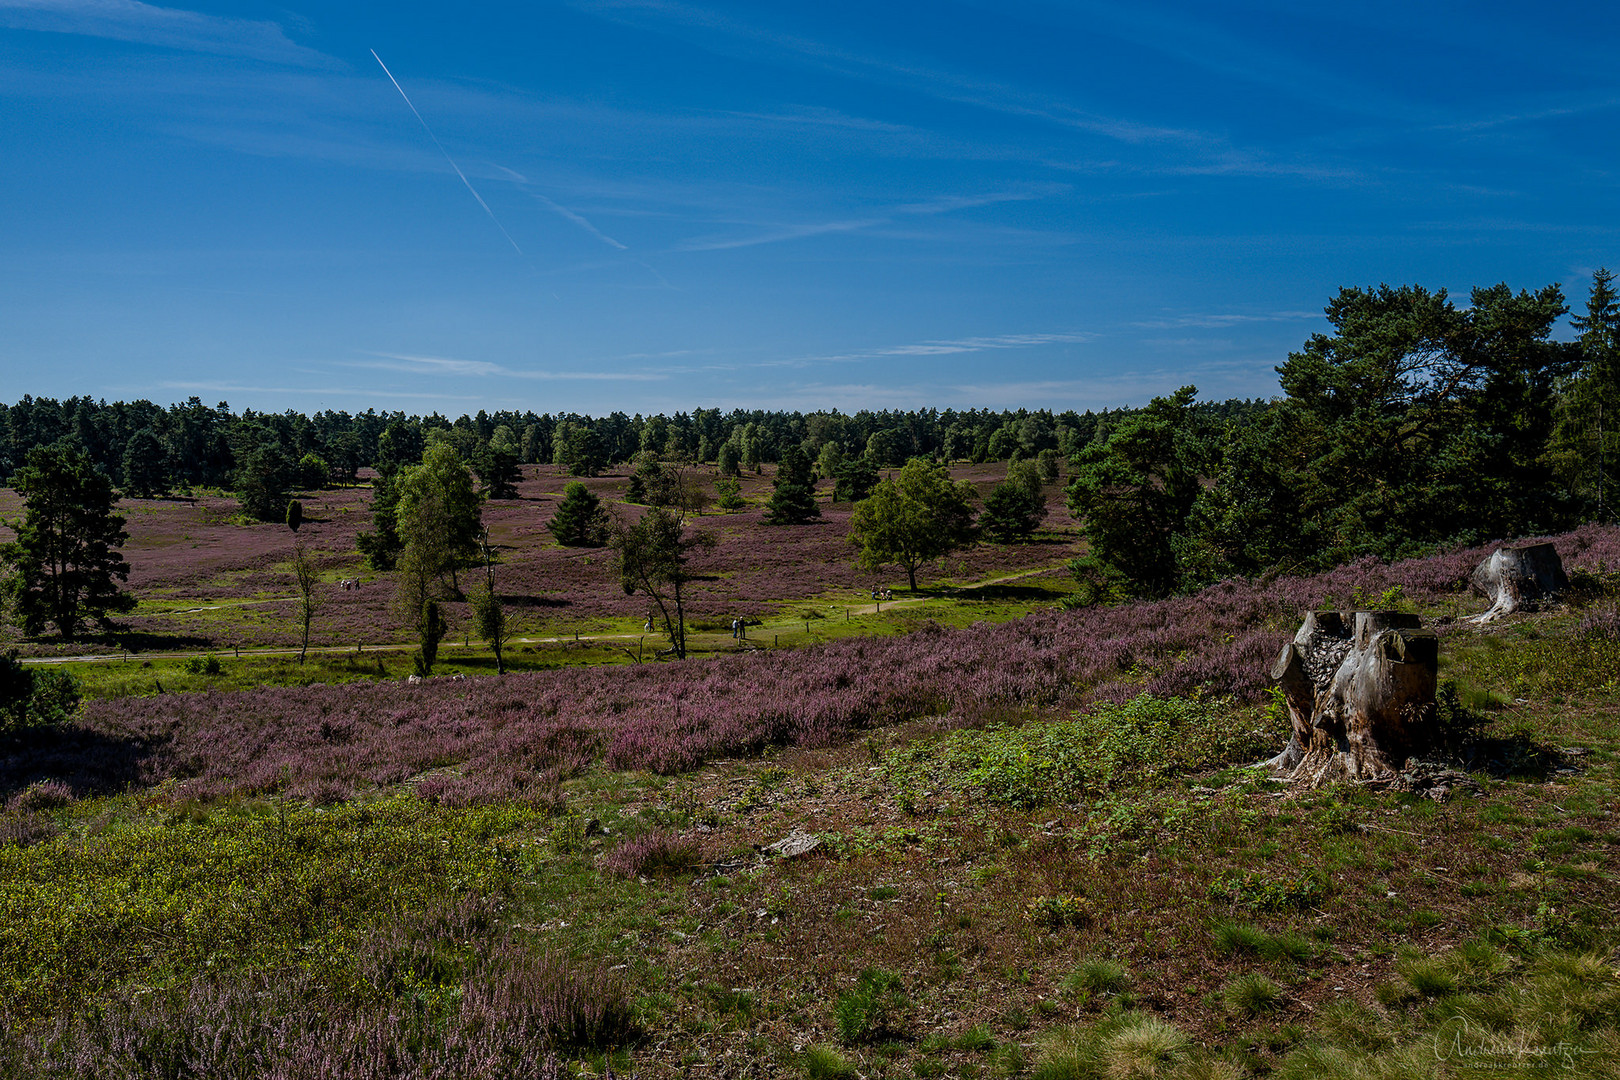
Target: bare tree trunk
[(1518, 576), (678, 638), (309, 597), (1360, 693)]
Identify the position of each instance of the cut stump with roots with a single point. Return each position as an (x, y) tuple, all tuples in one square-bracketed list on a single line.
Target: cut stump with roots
[(1360, 689), (1516, 577)]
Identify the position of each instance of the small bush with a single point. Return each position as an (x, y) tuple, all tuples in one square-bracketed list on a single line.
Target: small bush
[(1144, 740), (43, 795), (1587, 587), (1057, 912), (202, 665), (25, 829), (1255, 890), (32, 697), (1456, 724), (576, 1007), (874, 1010)]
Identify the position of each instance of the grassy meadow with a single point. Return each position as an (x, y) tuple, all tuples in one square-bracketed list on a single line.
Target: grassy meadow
[(1034, 846)]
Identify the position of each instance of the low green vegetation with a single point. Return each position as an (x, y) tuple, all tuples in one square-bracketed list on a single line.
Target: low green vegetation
[(131, 894), (1140, 742)]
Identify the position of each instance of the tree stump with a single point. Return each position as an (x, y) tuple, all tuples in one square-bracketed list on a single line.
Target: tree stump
[(1360, 692), (1517, 577)]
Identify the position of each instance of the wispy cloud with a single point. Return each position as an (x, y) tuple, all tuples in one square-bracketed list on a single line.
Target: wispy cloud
[(940, 347), (429, 365), (820, 117), (357, 392), (944, 204), (981, 344), (779, 235), (1219, 320), (173, 28), (523, 183), (453, 368), (1600, 103), (955, 87)]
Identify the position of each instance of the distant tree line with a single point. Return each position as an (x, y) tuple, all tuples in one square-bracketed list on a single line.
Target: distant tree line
[(1416, 422), (148, 450)]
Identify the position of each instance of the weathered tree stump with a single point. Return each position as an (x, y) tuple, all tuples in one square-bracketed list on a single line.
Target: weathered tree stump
[(1360, 692), (1517, 577)]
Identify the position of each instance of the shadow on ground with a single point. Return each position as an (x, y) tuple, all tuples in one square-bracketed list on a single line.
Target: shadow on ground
[(88, 762)]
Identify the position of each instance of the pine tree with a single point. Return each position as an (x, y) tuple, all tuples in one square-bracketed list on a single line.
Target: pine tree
[(382, 548), (498, 469), (65, 557), (1016, 506), (145, 465), (855, 479), (1588, 421), (580, 520), (794, 500)]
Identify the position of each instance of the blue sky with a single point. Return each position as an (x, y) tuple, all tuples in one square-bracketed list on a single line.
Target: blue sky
[(666, 204)]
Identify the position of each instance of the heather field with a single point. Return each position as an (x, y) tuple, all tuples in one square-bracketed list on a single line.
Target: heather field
[(1024, 847), (209, 582)]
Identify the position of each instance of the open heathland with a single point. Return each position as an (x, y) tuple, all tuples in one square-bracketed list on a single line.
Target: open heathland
[(207, 581), (1019, 847)]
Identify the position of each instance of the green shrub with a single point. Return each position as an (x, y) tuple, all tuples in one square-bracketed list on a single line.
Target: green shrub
[(1057, 912), (874, 1010), (35, 697), (149, 900), (202, 665), (1256, 890), (1456, 724)]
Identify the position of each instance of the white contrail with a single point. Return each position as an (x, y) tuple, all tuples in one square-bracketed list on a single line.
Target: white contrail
[(446, 153), (562, 211)]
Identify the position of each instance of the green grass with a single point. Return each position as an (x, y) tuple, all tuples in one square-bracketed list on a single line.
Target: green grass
[(1251, 995), (1098, 976)]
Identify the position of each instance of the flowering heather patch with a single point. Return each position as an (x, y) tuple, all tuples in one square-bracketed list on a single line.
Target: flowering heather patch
[(655, 852), (323, 740), (45, 795), (506, 1020)]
